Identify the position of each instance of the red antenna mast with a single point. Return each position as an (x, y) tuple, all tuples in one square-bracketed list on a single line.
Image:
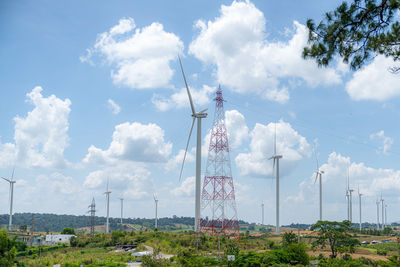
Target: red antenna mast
[(218, 206)]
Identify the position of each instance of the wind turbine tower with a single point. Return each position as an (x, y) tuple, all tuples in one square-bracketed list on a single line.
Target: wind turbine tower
[(359, 200), (351, 204), (196, 115), (218, 206), (377, 214), (156, 202), (12, 182), (262, 213), (122, 207), (275, 159), (319, 175), (107, 193), (383, 213)]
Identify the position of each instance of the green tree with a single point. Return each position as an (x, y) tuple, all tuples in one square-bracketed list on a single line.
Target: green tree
[(7, 250), (335, 235), (288, 238), (357, 32), (68, 231)]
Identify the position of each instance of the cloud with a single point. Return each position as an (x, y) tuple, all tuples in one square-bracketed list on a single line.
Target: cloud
[(177, 160), (236, 128), (132, 142), (40, 137), (201, 97), (130, 181), (114, 106), (374, 81), (140, 57), (371, 181), (246, 62), (289, 143), (186, 189), (387, 142)]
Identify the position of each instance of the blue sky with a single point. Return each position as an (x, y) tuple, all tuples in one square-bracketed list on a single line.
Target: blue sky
[(92, 90)]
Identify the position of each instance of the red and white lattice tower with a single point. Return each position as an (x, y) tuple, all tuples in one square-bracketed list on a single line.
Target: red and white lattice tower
[(218, 207)]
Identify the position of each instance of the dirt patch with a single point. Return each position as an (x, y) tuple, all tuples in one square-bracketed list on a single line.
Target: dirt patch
[(353, 255)]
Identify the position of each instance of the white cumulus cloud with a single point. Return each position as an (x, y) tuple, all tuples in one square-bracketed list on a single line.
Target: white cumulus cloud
[(41, 136), (289, 143), (140, 57), (186, 189), (374, 81), (236, 127), (132, 142), (201, 97), (247, 62), (387, 142)]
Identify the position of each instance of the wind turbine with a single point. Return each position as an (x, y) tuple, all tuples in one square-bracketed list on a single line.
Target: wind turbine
[(156, 202), (11, 198), (349, 198), (377, 213), (122, 206), (383, 213), (196, 115), (319, 175), (276, 158), (107, 193), (262, 213), (359, 199)]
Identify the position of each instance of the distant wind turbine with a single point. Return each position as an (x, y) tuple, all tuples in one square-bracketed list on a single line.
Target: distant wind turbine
[(107, 193), (155, 202), (275, 159), (318, 175), (122, 207), (383, 213), (359, 200), (12, 182), (377, 213), (196, 115), (262, 213)]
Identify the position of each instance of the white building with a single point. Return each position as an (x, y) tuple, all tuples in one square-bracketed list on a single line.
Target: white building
[(57, 239)]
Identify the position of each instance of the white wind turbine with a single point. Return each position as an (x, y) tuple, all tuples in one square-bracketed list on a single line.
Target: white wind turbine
[(107, 193), (262, 213), (196, 115), (155, 202), (12, 182), (122, 207), (318, 175), (276, 158), (383, 213), (377, 213), (359, 200)]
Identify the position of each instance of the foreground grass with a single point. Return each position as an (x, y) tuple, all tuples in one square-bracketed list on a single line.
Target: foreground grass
[(77, 256)]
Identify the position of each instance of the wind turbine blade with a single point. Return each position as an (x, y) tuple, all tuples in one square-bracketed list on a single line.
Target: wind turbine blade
[(204, 110), (187, 145), (6, 179), (316, 157), (275, 143), (187, 87), (12, 176), (316, 177)]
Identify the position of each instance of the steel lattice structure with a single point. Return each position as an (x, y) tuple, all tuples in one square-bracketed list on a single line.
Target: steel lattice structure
[(218, 206)]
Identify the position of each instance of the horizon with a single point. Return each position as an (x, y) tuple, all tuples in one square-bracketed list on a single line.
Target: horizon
[(94, 90)]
